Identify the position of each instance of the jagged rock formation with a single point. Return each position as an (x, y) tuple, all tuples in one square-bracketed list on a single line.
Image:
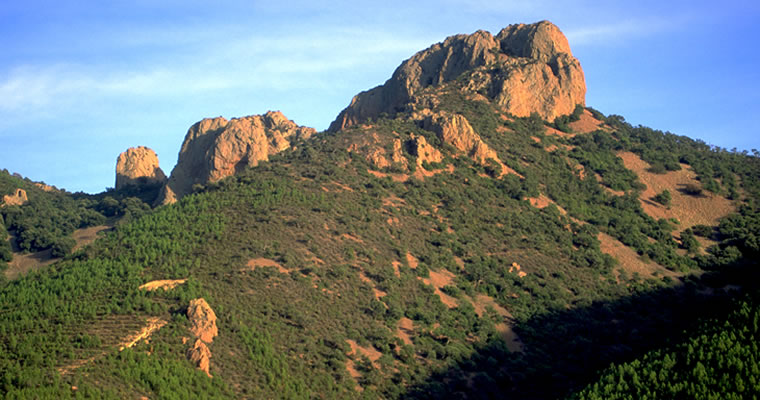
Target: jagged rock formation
[(215, 148), (397, 155), (203, 319), (200, 355), (204, 328), (420, 148), (454, 129), (16, 199), (375, 148), (138, 166), (523, 69)]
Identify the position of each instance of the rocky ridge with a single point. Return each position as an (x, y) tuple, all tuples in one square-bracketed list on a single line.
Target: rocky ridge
[(524, 69), (215, 148)]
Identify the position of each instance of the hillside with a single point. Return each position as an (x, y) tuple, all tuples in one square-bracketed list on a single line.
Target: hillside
[(469, 229)]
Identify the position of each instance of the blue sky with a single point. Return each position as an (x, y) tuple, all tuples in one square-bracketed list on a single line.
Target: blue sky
[(81, 81)]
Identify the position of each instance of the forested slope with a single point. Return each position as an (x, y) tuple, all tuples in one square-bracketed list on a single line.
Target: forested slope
[(392, 287)]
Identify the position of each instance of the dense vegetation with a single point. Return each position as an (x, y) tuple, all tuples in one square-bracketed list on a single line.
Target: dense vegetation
[(48, 219), (720, 362), (356, 247)]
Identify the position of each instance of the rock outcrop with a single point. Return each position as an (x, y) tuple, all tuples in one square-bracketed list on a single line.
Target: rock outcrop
[(138, 166), (455, 130), (45, 187), (423, 151), (203, 322), (200, 356), (16, 199), (523, 69), (153, 325), (165, 284), (215, 148)]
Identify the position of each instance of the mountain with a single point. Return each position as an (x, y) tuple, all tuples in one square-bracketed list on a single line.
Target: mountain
[(524, 69), (469, 229)]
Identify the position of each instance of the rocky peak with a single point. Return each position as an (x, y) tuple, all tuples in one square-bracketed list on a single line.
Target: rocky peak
[(215, 148), (524, 69), (540, 41), (138, 166)]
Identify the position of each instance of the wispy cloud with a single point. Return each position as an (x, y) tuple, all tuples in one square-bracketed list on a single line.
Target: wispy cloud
[(28, 88), (286, 62), (611, 32)]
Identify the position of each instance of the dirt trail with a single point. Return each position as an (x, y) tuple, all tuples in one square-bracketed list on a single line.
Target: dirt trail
[(377, 292), (22, 264), (352, 238), (396, 270), (412, 261), (586, 124)]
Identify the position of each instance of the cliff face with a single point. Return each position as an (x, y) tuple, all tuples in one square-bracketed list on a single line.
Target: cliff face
[(136, 166), (523, 69), (215, 148)]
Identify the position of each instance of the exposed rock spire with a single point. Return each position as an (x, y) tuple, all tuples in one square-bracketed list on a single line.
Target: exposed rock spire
[(523, 69)]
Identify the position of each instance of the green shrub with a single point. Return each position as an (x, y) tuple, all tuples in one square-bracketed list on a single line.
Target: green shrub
[(663, 198), (692, 189), (702, 230), (657, 168), (62, 246)]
